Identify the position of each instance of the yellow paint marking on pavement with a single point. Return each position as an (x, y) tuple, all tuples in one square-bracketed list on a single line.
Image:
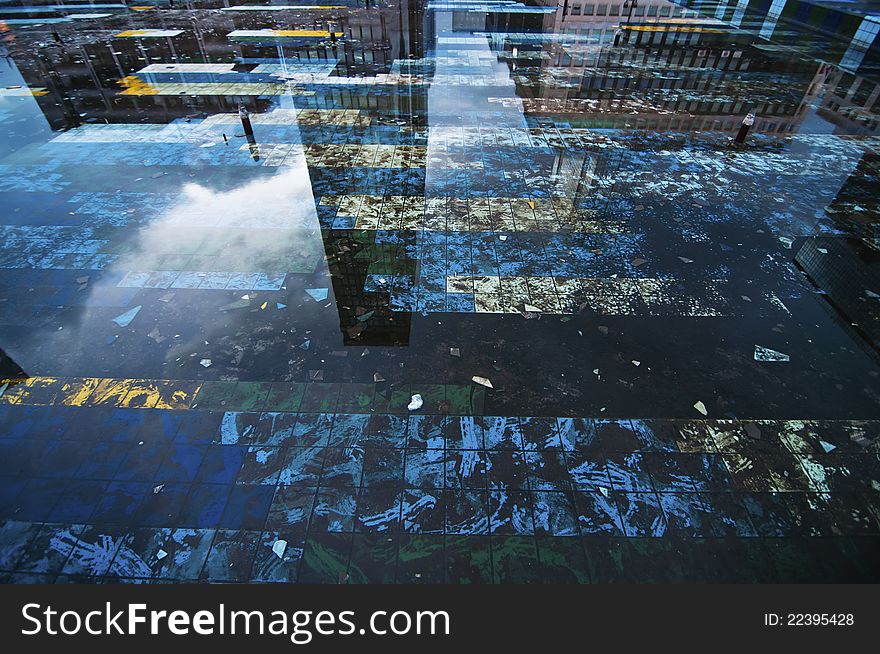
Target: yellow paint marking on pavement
[(142, 394), (109, 391), (177, 398), (77, 392), (168, 394), (40, 391)]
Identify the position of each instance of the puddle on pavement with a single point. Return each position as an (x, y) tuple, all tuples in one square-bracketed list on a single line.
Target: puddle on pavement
[(237, 240)]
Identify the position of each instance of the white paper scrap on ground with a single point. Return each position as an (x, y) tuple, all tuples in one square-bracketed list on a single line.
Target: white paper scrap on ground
[(317, 294), (766, 354), (125, 319), (279, 548)]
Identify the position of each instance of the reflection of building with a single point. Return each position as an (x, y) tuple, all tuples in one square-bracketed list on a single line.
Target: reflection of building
[(614, 11), (491, 80), (847, 269), (856, 206), (850, 102), (671, 69), (82, 75), (167, 67), (844, 32), (364, 314)]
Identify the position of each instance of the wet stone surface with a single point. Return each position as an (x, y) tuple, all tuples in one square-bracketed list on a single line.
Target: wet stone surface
[(644, 352)]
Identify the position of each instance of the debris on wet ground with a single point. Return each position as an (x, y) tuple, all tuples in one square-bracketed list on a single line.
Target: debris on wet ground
[(415, 402), (766, 354), (432, 221), (356, 330), (279, 547), (124, 319), (241, 303), (318, 294), (530, 312), (772, 297), (156, 335), (161, 554)]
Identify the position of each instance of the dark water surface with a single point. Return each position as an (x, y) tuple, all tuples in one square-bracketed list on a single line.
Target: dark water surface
[(211, 329)]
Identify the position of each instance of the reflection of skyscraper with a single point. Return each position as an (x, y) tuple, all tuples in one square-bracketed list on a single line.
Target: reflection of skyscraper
[(575, 170), (190, 70), (82, 76), (856, 205), (845, 32), (850, 102), (364, 313), (847, 268), (672, 69)]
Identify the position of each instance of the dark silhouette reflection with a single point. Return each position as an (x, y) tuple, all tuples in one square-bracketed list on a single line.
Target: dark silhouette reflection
[(10, 371), (846, 270), (249, 132)]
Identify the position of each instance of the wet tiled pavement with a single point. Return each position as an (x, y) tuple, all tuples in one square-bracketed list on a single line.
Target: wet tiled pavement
[(210, 335)]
